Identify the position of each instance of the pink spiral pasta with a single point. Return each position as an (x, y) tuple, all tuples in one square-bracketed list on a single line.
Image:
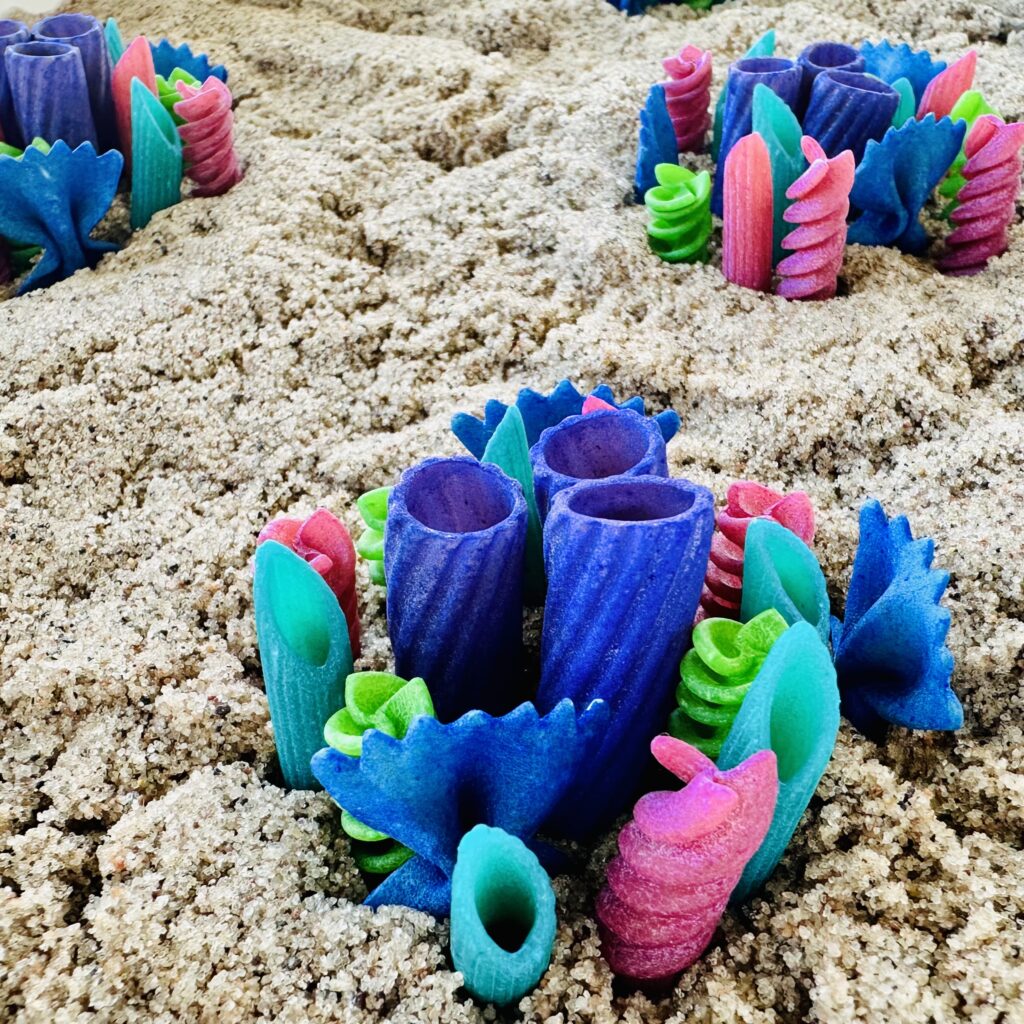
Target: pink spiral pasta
[(680, 857), (821, 201), (745, 502), (209, 150), (988, 197), (688, 96)]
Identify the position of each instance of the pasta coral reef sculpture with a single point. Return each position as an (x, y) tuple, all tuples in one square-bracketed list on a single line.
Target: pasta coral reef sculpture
[(890, 651), (679, 858), (454, 809), (69, 82), (880, 127)]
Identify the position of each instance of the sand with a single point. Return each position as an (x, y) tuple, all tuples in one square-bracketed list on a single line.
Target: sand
[(435, 213)]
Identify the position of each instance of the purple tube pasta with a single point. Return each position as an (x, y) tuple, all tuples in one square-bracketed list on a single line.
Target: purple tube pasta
[(11, 32), (611, 442), (782, 76), (625, 560), (824, 56), (85, 34), (847, 109), (49, 93), (453, 557)]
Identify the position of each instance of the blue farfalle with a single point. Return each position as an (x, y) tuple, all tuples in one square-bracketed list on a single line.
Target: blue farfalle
[(890, 652), (656, 143), (167, 57), (430, 788), (896, 177), (542, 411), (890, 63), (53, 200)]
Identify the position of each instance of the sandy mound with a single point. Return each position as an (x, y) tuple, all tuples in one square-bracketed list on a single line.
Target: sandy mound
[(434, 214)]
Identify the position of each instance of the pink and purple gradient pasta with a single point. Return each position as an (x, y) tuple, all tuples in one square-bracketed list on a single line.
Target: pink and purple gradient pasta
[(988, 197), (688, 96), (747, 215), (821, 201), (208, 137), (942, 92), (745, 502), (680, 857)]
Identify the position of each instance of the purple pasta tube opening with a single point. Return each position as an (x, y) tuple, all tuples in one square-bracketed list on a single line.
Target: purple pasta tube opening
[(456, 496), (626, 501), (782, 76), (64, 26), (595, 446), (86, 34), (37, 48), (825, 56), (847, 109)]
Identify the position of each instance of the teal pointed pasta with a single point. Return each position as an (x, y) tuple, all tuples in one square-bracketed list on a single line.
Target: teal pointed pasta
[(781, 572), (793, 710), (305, 654), (775, 122), (507, 449), (503, 916), (156, 157)]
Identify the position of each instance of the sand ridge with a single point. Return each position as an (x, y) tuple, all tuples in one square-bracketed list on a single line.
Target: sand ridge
[(435, 213)]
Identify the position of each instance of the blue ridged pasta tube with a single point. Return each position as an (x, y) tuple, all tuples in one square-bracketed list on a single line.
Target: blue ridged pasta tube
[(453, 557), (625, 559), (847, 109), (825, 56), (11, 32), (85, 34), (49, 93), (503, 916)]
